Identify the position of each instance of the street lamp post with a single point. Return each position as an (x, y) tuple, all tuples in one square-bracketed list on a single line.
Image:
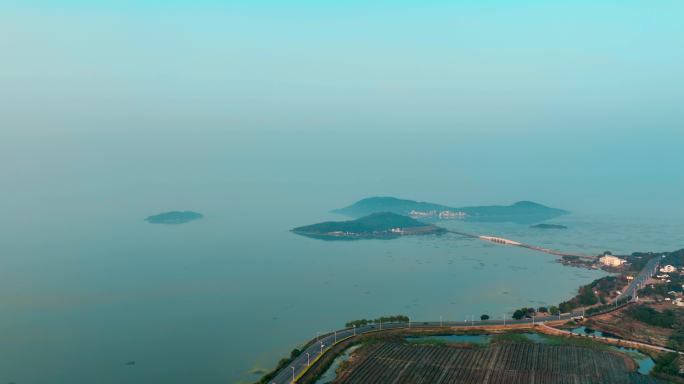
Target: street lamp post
[(440, 321), (335, 336), (293, 369), (504, 319), (308, 359), (354, 329)]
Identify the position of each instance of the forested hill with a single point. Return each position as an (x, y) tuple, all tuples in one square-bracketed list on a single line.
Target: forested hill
[(520, 212), (381, 224)]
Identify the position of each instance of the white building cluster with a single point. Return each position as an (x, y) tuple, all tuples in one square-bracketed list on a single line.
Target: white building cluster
[(611, 261), (444, 215)]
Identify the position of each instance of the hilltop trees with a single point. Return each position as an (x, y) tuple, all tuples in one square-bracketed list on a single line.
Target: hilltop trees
[(381, 319), (523, 312)]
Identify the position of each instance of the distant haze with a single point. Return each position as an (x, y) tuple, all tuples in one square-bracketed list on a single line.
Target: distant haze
[(576, 105)]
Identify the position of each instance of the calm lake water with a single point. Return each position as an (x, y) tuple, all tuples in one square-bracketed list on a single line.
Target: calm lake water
[(214, 300), (86, 285)]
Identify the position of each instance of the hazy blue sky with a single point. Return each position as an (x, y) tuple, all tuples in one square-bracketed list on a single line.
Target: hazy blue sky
[(575, 102)]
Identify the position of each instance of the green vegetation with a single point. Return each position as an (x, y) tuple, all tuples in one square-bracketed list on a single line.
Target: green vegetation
[(523, 211), (587, 296), (575, 341), (174, 217), (675, 258), (523, 312), (662, 289), (638, 260), (374, 225), (382, 319), (605, 307), (513, 362), (484, 317), (284, 362), (648, 315), (526, 312), (432, 341), (676, 340), (549, 226), (510, 337), (601, 290), (389, 204), (666, 363)]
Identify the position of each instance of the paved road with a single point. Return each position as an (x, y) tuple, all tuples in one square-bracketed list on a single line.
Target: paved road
[(503, 241), (612, 340), (639, 280), (322, 343)]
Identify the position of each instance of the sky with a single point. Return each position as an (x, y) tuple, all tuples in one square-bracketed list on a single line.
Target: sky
[(575, 102)]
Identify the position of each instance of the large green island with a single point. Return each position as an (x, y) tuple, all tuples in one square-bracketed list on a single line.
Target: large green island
[(524, 212), (381, 225)]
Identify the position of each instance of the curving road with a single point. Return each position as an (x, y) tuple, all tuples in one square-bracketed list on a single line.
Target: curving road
[(321, 344), (610, 340), (639, 280)]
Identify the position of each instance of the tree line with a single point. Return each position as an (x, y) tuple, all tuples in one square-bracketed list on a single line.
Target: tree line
[(381, 319)]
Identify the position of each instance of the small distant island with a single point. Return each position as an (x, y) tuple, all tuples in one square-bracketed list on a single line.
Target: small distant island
[(549, 226), (523, 212), (381, 225), (174, 217)]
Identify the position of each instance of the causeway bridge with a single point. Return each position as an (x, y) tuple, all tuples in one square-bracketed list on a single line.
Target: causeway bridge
[(316, 348), (504, 241)]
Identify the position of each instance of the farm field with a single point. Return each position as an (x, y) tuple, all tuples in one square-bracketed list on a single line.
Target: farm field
[(398, 362)]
